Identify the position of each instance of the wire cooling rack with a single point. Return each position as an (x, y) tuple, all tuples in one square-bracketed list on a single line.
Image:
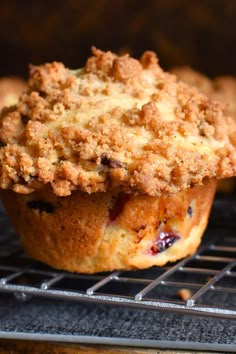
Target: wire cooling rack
[(203, 284)]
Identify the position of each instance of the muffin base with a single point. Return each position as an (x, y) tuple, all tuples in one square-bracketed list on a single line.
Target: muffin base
[(107, 231)]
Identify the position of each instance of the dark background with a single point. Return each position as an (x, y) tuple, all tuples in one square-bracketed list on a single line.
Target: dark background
[(199, 33)]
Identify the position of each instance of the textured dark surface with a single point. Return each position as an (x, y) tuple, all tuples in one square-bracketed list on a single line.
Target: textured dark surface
[(78, 320)]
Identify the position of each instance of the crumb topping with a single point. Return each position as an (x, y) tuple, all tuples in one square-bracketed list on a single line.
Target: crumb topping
[(116, 123)]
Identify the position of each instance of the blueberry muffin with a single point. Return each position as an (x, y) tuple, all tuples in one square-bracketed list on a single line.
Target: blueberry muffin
[(112, 166)]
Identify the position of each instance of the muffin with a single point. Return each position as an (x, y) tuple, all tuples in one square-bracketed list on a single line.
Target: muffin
[(112, 166), (10, 90)]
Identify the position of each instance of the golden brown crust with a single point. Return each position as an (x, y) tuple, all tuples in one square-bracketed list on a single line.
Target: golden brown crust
[(118, 122), (107, 231)]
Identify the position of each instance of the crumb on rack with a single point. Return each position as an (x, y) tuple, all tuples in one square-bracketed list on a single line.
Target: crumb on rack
[(184, 294)]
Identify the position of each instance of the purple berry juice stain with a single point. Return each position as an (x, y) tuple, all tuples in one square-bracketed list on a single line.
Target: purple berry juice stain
[(165, 241), (118, 206)]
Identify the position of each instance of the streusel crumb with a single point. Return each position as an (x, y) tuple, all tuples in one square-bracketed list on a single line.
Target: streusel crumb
[(116, 123)]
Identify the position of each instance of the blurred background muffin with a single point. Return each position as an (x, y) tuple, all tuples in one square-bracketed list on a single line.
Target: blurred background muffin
[(10, 90), (221, 88), (197, 33)]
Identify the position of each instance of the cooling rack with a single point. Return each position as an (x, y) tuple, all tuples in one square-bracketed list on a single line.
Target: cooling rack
[(203, 284)]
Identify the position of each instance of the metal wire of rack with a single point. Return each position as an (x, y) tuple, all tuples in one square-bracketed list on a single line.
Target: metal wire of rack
[(208, 276)]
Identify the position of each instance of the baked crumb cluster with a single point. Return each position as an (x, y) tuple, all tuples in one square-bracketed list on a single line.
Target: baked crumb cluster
[(116, 123)]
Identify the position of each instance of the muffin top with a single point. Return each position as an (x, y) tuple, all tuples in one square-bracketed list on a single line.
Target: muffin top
[(221, 88), (117, 123)]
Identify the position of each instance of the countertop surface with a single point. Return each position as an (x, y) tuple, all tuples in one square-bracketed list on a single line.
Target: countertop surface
[(31, 347)]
